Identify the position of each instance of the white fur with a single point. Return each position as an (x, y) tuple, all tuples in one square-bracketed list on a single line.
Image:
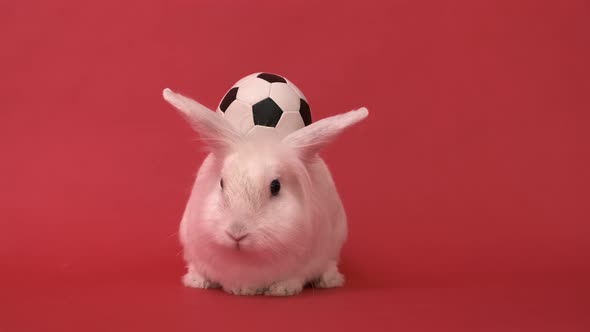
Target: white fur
[(292, 238)]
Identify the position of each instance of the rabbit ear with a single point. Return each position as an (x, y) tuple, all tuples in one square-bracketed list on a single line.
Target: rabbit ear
[(311, 139), (216, 132)]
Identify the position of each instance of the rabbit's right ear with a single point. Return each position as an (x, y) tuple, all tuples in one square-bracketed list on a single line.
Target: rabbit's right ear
[(308, 141), (212, 128)]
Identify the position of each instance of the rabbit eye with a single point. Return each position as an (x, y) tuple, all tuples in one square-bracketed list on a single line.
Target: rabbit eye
[(221, 183), (275, 187)]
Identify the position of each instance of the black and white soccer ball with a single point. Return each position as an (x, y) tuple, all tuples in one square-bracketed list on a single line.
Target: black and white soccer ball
[(265, 105)]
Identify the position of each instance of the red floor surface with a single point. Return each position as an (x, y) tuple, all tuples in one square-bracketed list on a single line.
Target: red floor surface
[(467, 188)]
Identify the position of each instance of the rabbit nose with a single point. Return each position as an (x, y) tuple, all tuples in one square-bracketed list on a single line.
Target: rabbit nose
[(235, 237)]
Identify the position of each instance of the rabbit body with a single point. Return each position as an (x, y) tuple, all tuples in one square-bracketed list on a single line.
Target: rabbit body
[(244, 272)]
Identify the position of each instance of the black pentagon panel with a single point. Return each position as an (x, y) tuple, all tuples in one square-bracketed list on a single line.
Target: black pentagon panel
[(266, 113), (305, 112), (271, 78), (230, 96)]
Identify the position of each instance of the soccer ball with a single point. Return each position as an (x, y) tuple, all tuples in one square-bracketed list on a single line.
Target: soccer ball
[(265, 105)]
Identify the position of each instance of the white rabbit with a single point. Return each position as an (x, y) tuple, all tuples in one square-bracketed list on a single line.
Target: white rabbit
[(263, 217)]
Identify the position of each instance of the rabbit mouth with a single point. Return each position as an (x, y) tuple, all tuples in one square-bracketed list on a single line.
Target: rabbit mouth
[(237, 239)]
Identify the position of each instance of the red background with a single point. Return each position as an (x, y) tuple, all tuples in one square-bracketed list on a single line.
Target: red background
[(466, 188)]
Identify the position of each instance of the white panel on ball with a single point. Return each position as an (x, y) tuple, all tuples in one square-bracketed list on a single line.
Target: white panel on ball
[(265, 134), (239, 114), (285, 96), (288, 123), (253, 90)]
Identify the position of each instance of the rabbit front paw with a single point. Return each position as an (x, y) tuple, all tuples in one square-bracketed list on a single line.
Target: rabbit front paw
[(285, 288), (195, 280), (330, 278)]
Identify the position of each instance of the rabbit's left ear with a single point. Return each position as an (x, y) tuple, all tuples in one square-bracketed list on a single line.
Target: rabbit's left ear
[(311, 139), (213, 129)]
